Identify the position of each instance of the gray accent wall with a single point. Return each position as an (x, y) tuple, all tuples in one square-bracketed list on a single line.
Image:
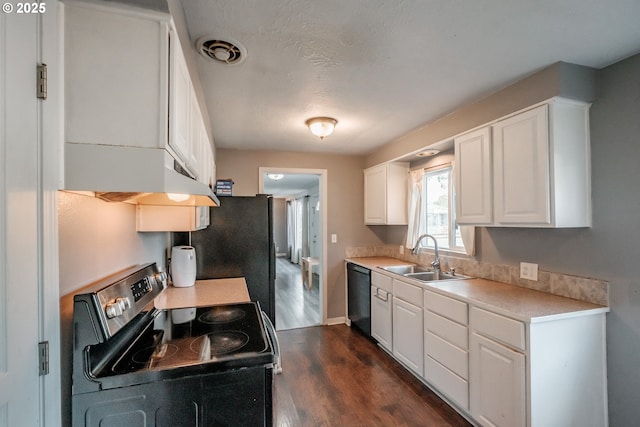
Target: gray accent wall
[(610, 250), (560, 79)]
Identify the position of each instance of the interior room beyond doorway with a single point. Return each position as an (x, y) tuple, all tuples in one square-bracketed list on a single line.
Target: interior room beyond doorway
[(298, 240)]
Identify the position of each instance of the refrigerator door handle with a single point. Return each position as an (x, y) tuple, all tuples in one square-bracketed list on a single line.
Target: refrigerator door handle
[(273, 339)]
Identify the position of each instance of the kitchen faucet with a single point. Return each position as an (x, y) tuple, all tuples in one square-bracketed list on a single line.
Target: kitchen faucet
[(436, 261)]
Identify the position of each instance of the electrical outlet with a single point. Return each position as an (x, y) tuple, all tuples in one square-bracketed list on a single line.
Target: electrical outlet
[(401, 249), (334, 238), (528, 271)]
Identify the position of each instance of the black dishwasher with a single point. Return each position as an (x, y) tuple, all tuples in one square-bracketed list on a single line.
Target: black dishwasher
[(359, 293)]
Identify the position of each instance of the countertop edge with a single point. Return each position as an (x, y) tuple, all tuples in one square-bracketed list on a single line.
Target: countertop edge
[(583, 309)]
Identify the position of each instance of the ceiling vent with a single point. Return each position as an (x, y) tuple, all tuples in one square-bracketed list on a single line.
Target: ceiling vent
[(225, 50)]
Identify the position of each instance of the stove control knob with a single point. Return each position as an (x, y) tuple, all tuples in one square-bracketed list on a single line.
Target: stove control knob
[(160, 277), (112, 310), (124, 303)]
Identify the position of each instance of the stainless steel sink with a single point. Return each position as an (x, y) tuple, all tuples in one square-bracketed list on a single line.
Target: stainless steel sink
[(407, 269), (426, 276), (423, 274)]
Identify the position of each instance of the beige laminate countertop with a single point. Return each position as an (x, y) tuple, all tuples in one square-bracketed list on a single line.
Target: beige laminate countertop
[(520, 303), (204, 293)]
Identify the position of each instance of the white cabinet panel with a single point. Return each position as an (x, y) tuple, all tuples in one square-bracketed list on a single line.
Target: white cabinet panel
[(407, 292), (508, 331), (473, 178), (521, 168), (497, 384), (408, 335), (115, 85), (447, 307), (381, 317), (454, 333), (382, 281), (180, 104), (385, 194), (454, 358), (447, 382)]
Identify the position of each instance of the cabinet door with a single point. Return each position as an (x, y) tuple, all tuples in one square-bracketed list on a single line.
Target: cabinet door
[(375, 195), (381, 317), (474, 198), (497, 384), (408, 335), (521, 168), (179, 104)]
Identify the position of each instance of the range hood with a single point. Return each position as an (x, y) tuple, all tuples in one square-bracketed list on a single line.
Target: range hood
[(144, 176)]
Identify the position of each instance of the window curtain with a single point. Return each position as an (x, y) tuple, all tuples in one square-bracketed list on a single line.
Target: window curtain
[(304, 226), (415, 214), (467, 232), (291, 229)]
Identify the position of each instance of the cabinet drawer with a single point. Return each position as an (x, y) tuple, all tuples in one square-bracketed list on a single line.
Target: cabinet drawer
[(500, 328), (447, 307), (407, 292), (455, 333), (450, 356), (381, 281), (456, 388)]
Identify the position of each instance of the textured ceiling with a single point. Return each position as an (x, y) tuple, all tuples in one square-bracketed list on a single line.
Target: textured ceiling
[(385, 67)]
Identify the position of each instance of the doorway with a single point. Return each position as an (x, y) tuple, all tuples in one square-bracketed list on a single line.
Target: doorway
[(299, 221)]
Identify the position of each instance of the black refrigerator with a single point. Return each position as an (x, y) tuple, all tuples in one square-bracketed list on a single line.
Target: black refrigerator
[(239, 243)]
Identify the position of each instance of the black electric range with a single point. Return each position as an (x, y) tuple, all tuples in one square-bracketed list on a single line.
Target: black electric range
[(135, 365)]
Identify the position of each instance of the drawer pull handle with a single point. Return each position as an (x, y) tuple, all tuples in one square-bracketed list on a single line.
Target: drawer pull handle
[(386, 295)]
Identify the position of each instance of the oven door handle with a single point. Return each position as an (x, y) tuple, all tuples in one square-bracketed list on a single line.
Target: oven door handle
[(273, 339)]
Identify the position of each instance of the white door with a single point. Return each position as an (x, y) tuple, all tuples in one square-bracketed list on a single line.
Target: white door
[(474, 195), (497, 384), (408, 335), (521, 168), (20, 210)]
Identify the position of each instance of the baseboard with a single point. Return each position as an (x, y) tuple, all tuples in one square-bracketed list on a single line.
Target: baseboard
[(337, 321)]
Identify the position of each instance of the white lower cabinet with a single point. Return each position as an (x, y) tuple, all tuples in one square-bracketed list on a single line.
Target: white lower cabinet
[(408, 332), (496, 370), (381, 303), (446, 350), (381, 320), (497, 384)]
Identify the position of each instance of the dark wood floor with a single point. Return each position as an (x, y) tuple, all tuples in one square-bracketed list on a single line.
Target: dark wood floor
[(333, 376), (296, 306)]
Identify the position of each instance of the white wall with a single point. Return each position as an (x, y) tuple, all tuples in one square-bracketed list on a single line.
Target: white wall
[(98, 238)]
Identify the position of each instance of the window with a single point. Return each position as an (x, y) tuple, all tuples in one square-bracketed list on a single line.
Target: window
[(438, 208)]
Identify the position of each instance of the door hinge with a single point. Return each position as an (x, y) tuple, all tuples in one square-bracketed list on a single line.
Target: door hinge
[(41, 81), (43, 358)]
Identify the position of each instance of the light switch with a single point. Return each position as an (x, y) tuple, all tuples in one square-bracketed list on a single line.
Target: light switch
[(334, 238)]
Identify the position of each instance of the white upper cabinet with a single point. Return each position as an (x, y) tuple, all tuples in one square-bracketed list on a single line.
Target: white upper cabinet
[(473, 178), (115, 82), (531, 169), (385, 194), (127, 84), (521, 168), (181, 112)]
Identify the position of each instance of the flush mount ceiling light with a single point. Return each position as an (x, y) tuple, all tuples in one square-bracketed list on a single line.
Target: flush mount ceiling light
[(427, 153), (275, 176), (321, 126)]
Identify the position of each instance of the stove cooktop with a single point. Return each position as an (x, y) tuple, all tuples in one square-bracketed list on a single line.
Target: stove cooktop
[(204, 339)]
